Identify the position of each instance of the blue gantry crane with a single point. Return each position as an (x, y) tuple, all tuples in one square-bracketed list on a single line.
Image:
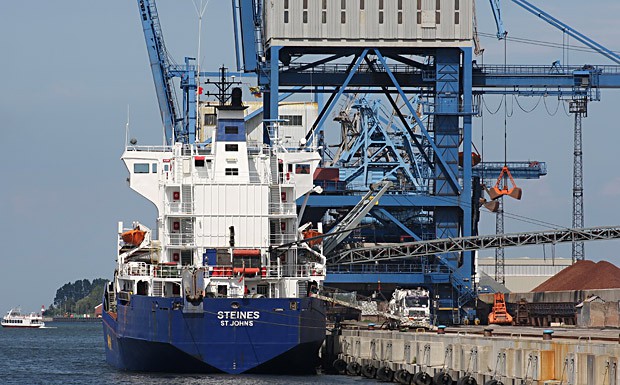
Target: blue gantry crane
[(297, 48), (330, 49), (180, 124)]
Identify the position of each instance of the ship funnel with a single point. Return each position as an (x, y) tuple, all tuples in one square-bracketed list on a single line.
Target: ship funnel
[(236, 97)]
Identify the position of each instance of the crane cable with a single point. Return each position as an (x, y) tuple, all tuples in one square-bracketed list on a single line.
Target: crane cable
[(505, 113)]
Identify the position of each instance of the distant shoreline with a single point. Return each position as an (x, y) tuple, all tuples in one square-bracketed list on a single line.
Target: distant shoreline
[(74, 319)]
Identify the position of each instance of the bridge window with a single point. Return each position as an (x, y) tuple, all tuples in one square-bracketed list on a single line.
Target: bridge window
[(141, 168), (231, 130), (302, 169), (154, 168), (232, 147), (210, 120), (232, 171)]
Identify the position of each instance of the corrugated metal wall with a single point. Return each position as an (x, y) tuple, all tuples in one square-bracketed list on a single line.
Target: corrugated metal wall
[(374, 23)]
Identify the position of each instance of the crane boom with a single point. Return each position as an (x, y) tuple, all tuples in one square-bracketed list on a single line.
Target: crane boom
[(495, 7), (501, 32), (570, 31), (160, 67)]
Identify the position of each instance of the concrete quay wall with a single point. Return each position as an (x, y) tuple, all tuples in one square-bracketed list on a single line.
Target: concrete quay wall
[(513, 360)]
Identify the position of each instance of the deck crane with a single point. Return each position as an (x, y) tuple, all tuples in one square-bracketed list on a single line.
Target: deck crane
[(578, 105)]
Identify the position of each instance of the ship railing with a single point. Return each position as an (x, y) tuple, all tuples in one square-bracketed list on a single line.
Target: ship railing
[(149, 148), (136, 269), (282, 208), (257, 147), (180, 239), (166, 271), (279, 239), (293, 271), (180, 207)]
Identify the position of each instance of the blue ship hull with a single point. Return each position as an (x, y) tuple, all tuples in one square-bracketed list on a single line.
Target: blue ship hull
[(224, 335)]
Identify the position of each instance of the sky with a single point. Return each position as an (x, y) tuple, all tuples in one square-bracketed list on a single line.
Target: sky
[(72, 69)]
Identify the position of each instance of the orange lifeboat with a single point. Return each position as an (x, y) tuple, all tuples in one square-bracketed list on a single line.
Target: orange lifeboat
[(133, 237)]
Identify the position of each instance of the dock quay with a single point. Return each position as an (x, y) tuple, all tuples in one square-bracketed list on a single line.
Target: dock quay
[(489, 355), (76, 319)]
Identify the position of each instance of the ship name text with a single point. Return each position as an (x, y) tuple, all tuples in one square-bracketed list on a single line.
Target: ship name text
[(237, 318)]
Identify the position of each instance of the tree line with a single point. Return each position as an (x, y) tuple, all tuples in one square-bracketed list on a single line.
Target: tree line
[(79, 297)]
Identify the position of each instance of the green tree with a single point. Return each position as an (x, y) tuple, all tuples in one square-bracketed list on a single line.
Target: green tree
[(79, 297)]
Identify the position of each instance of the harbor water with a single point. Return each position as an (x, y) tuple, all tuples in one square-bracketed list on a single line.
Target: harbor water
[(73, 353)]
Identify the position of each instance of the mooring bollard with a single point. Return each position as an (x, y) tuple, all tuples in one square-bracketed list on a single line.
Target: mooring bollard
[(547, 334), (441, 329), (488, 332)]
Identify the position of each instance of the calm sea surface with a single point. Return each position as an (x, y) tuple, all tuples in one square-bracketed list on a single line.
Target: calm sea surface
[(72, 353)]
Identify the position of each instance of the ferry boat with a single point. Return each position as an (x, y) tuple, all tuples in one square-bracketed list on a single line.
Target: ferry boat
[(225, 284), (15, 319)]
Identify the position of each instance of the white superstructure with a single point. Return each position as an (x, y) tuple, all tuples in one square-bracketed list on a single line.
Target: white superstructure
[(226, 217)]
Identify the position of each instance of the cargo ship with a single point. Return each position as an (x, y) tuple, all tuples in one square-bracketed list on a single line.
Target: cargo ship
[(225, 283)]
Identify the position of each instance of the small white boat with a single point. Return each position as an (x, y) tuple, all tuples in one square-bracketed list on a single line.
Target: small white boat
[(15, 319)]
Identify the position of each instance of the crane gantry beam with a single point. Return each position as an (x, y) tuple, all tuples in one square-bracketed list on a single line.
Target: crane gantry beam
[(461, 244)]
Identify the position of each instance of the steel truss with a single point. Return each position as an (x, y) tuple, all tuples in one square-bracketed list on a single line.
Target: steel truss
[(463, 244)]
